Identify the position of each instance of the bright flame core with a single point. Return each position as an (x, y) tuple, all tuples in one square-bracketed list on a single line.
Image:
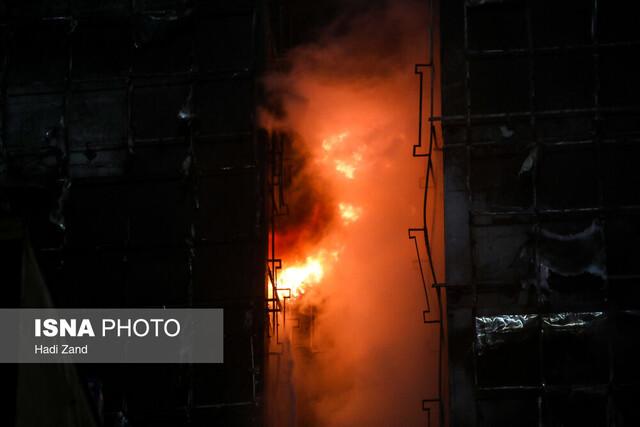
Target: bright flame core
[(349, 213), (331, 141), (350, 105), (299, 277), (346, 169)]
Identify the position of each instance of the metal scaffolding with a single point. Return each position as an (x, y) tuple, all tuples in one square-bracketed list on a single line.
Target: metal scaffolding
[(427, 148), (138, 118), (537, 123)]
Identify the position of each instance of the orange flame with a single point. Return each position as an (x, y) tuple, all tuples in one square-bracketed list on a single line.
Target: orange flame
[(302, 276), (349, 213), (337, 159), (331, 141), (350, 104), (346, 169), (299, 277)]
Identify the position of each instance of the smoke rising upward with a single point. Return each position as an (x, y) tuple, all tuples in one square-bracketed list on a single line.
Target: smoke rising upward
[(350, 102)]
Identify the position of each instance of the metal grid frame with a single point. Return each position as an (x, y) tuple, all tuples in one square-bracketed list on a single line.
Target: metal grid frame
[(276, 303), (536, 214), (193, 170)]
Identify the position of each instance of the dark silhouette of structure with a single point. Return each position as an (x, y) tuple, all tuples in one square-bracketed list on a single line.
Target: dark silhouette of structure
[(540, 129)]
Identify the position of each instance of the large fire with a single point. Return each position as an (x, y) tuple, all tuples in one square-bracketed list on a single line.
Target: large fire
[(301, 276), (348, 105)]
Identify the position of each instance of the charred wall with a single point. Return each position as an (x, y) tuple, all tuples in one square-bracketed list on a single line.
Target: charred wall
[(130, 161), (540, 128)]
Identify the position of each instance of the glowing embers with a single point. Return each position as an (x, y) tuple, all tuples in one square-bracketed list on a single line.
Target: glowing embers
[(338, 150), (349, 213), (330, 142), (346, 169)]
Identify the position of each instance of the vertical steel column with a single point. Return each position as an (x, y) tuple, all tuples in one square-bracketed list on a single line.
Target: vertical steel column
[(431, 276)]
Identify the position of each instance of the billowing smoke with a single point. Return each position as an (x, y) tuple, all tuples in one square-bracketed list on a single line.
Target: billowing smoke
[(350, 101)]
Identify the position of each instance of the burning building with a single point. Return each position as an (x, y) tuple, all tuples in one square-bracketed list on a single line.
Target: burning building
[(412, 212), (347, 298)]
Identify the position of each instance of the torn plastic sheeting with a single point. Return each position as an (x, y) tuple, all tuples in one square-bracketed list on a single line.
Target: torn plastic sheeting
[(186, 112), (529, 162), (186, 165), (635, 313), (506, 132), (56, 216), (571, 321), (150, 27), (573, 254), (492, 331)]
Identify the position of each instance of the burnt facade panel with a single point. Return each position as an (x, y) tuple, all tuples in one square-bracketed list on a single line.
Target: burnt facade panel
[(130, 161), (539, 136)]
